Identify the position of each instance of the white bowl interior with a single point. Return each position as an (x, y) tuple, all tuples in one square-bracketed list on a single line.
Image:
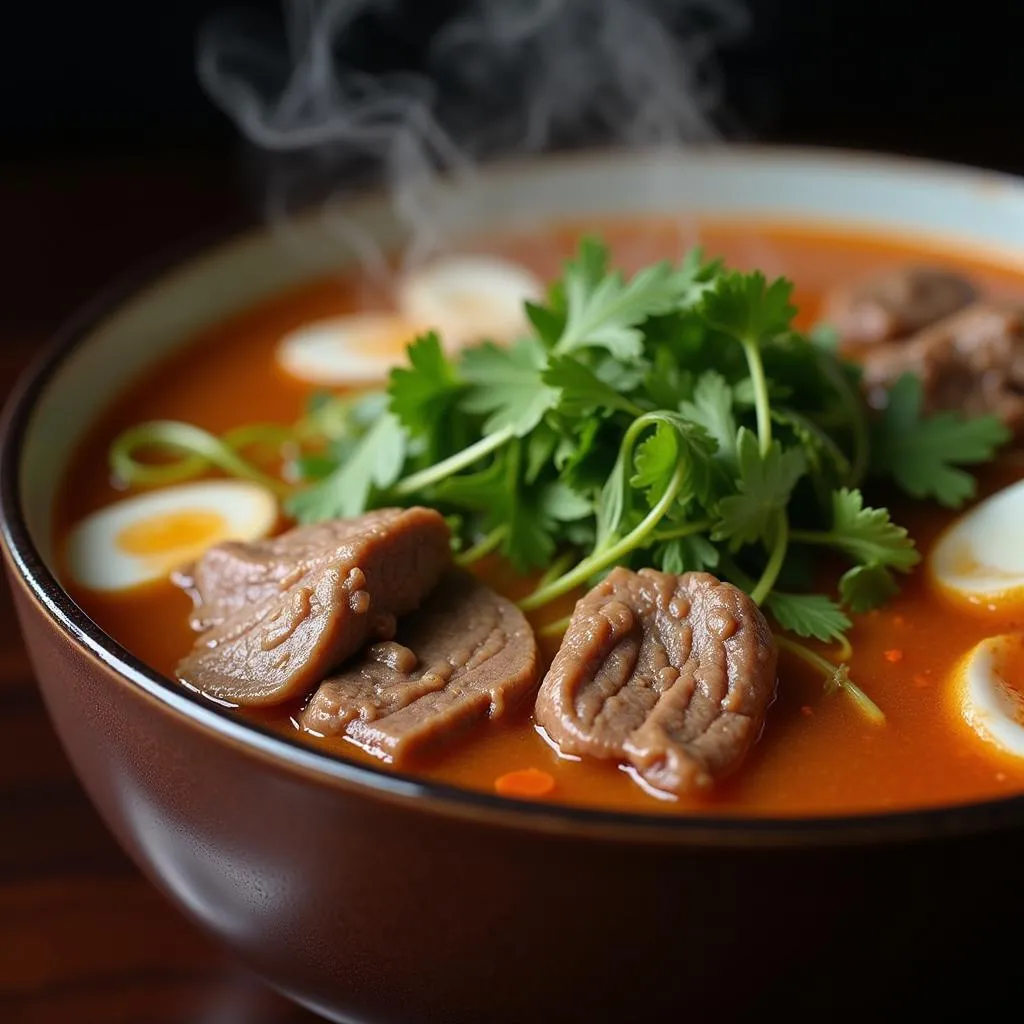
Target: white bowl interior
[(974, 210)]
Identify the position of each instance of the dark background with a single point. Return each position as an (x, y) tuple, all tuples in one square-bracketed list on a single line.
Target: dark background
[(115, 78), (110, 152)]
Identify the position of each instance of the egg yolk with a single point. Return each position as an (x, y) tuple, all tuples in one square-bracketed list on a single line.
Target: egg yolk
[(384, 341), (963, 562), (171, 532), (470, 303)]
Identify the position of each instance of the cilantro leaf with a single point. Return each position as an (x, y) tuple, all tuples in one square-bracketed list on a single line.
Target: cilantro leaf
[(763, 489), (556, 501), (342, 417), (541, 445), (697, 276), (867, 586), (530, 542), (583, 458), (375, 462), (655, 461), (622, 376), (548, 323), (922, 453), (687, 554), (507, 385), (809, 615), (684, 445), (824, 336), (825, 458), (868, 534), (603, 310), (495, 491), (314, 466), (421, 392), (711, 407), (667, 384), (580, 390), (746, 307)]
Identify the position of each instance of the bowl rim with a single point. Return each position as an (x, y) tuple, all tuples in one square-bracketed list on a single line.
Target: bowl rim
[(377, 782)]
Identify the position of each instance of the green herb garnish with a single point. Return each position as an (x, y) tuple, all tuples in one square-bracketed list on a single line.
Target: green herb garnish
[(674, 419)]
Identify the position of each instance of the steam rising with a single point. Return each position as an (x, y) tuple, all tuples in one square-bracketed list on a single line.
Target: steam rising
[(503, 77)]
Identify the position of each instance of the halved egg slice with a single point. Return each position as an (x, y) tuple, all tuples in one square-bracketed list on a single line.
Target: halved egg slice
[(980, 558), (147, 536), (467, 299), (357, 349), (991, 691)]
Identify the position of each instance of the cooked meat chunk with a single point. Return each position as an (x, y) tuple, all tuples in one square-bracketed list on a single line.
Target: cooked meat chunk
[(466, 655), (288, 610), (972, 362), (895, 304), (234, 575), (672, 674)]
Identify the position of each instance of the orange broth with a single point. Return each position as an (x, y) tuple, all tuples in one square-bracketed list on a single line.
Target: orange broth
[(817, 754)]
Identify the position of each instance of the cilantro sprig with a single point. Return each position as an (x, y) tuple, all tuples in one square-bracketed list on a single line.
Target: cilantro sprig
[(672, 419), (923, 454)]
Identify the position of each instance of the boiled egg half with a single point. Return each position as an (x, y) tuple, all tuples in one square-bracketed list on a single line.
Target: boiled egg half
[(980, 558), (464, 298), (467, 299), (147, 536), (346, 350), (990, 691)]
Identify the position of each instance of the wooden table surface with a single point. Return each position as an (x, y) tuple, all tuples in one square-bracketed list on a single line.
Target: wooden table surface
[(84, 939)]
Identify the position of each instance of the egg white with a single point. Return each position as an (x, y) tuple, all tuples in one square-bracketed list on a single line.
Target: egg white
[(980, 557), (95, 559), (993, 709), (467, 299), (345, 350)]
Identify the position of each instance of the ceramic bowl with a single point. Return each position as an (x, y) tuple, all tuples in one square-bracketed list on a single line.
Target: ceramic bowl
[(374, 897)]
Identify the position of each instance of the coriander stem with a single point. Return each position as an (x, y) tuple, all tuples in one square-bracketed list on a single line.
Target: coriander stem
[(483, 547), (447, 467), (845, 648), (609, 556), (775, 560), (761, 405), (824, 537), (606, 530), (626, 406), (686, 530), (864, 703), (557, 567), (836, 675)]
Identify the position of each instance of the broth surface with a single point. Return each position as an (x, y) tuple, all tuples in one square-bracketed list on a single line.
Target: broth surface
[(817, 754)]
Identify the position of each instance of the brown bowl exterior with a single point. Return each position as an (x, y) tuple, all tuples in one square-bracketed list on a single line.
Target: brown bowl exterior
[(374, 907)]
